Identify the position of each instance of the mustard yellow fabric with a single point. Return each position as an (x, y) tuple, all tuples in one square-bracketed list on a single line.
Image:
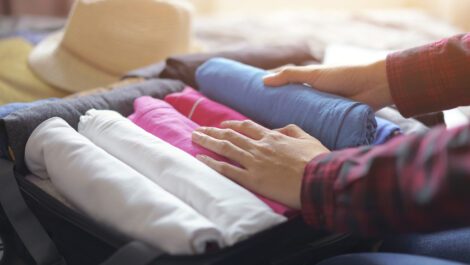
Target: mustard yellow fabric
[(17, 82)]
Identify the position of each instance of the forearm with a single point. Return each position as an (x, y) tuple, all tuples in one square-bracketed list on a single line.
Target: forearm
[(431, 78), (413, 183)]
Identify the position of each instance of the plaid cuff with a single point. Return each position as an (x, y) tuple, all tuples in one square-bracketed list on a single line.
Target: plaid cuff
[(430, 78), (408, 78), (317, 195)]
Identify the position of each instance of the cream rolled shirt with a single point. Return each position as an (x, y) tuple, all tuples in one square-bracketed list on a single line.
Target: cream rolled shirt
[(237, 212), (113, 193)]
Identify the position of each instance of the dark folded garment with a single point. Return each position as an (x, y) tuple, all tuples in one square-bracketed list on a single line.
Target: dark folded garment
[(18, 126), (266, 57), (337, 122), (6, 109), (432, 119), (147, 72)]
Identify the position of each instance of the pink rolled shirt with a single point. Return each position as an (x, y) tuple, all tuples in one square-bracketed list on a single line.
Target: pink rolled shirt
[(202, 110), (162, 120)]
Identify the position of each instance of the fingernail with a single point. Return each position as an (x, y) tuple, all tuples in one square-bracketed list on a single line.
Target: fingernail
[(201, 129)]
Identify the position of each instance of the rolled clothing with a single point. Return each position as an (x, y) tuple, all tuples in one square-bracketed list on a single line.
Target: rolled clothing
[(183, 67), (6, 110), (114, 194), (235, 211), (386, 130), (202, 110), (18, 125), (162, 120), (337, 122), (206, 112)]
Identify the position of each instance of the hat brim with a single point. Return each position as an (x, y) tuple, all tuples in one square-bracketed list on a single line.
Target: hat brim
[(62, 69)]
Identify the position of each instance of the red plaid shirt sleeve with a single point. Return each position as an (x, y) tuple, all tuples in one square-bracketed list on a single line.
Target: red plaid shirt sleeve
[(414, 183), (431, 78)]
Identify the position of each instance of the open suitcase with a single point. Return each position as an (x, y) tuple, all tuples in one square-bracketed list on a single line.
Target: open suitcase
[(48, 232), (53, 233)]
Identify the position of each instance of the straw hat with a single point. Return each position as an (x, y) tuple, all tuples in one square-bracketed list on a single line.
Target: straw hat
[(104, 39)]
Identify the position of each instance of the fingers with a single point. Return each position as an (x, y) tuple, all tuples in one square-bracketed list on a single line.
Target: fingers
[(294, 131), (286, 76), (232, 172), (222, 147), (227, 134), (280, 68), (247, 127)]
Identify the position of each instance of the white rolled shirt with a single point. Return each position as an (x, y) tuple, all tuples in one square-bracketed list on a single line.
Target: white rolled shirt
[(113, 193), (236, 211)]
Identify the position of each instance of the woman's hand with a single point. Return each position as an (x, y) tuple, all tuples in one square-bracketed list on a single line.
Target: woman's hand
[(363, 83), (272, 161)]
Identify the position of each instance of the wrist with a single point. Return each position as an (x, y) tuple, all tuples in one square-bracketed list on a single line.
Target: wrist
[(379, 88), (316, 192)]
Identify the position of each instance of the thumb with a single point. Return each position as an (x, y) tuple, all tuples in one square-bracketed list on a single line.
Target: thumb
[(286, 76)]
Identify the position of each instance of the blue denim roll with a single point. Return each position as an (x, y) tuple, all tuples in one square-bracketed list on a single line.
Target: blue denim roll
[(337, 122)]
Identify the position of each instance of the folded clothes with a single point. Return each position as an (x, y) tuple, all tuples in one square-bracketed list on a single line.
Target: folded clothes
[(386, 130), (162, 120), (335, 121), (3, 146), (236, 211), (183, 67), (15, 106), (407, 125), (114, 194), (200, 109), (432, 119), (19, 125), (5, 110)]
